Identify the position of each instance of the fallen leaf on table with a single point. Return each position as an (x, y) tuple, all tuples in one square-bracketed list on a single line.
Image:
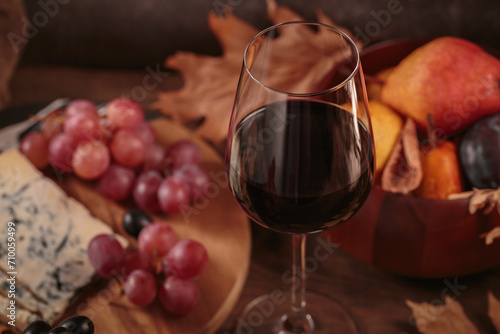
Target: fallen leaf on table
[(487, 199), (491, 235), (448, 318), (211, 82), (494, 310), (403, 170)]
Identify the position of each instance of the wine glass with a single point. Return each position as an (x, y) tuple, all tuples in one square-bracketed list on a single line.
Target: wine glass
[(299, 157)]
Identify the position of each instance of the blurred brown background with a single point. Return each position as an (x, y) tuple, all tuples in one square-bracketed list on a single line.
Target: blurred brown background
[(133, 34), (100, 49)]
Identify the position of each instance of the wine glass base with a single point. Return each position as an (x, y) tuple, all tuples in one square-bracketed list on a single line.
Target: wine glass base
[(265, 315)]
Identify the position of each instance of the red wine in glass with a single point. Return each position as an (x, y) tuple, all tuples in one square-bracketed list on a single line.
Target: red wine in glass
[(294, 169)]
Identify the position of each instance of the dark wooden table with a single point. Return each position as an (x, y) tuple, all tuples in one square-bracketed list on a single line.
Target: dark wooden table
[(376, 298)]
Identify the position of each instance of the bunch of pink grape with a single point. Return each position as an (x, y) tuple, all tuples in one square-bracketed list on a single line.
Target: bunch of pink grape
[(119, 150), (163, 267)]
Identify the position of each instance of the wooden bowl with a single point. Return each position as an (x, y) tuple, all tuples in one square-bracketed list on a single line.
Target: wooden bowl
[(414, 236)]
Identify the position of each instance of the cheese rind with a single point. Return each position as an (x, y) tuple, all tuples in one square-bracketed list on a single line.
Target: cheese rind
[(52, 232)]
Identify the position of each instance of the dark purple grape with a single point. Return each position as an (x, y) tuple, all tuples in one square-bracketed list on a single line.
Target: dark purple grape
[(134, 221), (60, 330), (479, 153), (37, 327), (78, 324)]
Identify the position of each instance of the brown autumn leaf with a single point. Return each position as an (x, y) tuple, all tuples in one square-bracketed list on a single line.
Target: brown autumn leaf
[(448, 318), (487, 199), (490, 236), (210, 82), (403, 171)]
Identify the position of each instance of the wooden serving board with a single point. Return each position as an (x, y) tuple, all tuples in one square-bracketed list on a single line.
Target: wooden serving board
[(217, 222)]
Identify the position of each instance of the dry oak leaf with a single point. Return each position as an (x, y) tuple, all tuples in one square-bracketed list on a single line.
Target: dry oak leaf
[(448, 318), (210, 82), (479, 199), (403, 170), (490, 236)]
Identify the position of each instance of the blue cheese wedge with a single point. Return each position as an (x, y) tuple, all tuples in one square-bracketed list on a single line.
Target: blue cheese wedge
[(52, 232)]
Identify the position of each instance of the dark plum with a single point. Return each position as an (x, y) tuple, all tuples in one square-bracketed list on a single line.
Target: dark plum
[(480, 153)]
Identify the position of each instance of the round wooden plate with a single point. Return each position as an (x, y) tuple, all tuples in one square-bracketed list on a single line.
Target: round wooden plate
[(217, 222)]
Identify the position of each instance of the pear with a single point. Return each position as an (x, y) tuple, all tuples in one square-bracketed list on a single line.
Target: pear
[(441, 171), (454, 80)]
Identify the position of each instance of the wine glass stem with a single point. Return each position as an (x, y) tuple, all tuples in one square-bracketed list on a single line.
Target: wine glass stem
[(297, 320)]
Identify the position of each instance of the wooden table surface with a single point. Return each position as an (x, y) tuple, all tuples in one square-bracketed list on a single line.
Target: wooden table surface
[(376, 298)]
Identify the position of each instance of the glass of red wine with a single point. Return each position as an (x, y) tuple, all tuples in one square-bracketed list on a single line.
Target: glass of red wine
[(299, 157)]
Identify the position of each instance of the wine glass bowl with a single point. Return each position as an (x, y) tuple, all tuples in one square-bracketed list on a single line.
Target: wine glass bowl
[(300, 154)]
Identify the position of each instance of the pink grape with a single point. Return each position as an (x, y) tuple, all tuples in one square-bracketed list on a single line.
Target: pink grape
[(117, 182), (155, 157), (174, 194), (147, 132), (146, 189), (35, 147), (82, 127), (61, 149), (140, 287), (127, 148), (124, 113), (106, 255), (183, 152), (52, 127), (138, 260), (90, 160), (179, 296), (81, 106), (157, 239), (197, 178), (187, 259)]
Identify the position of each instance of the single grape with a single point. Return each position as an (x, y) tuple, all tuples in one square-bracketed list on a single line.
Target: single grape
[(36, 148), (61, 149), (106, 255), (82, 127), (146, 189), (179, 296), (134, 221), (187, 259), (81, 106), (51, 127), (157, 239), (117, 182), (78, 324), (37, 327), (124, 113), (197, 178), (147, 132), (90, 160), (140, 287), (155, 157), (60, 330), (174, 194), (127, 148), (183, 152), (136, 261)]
